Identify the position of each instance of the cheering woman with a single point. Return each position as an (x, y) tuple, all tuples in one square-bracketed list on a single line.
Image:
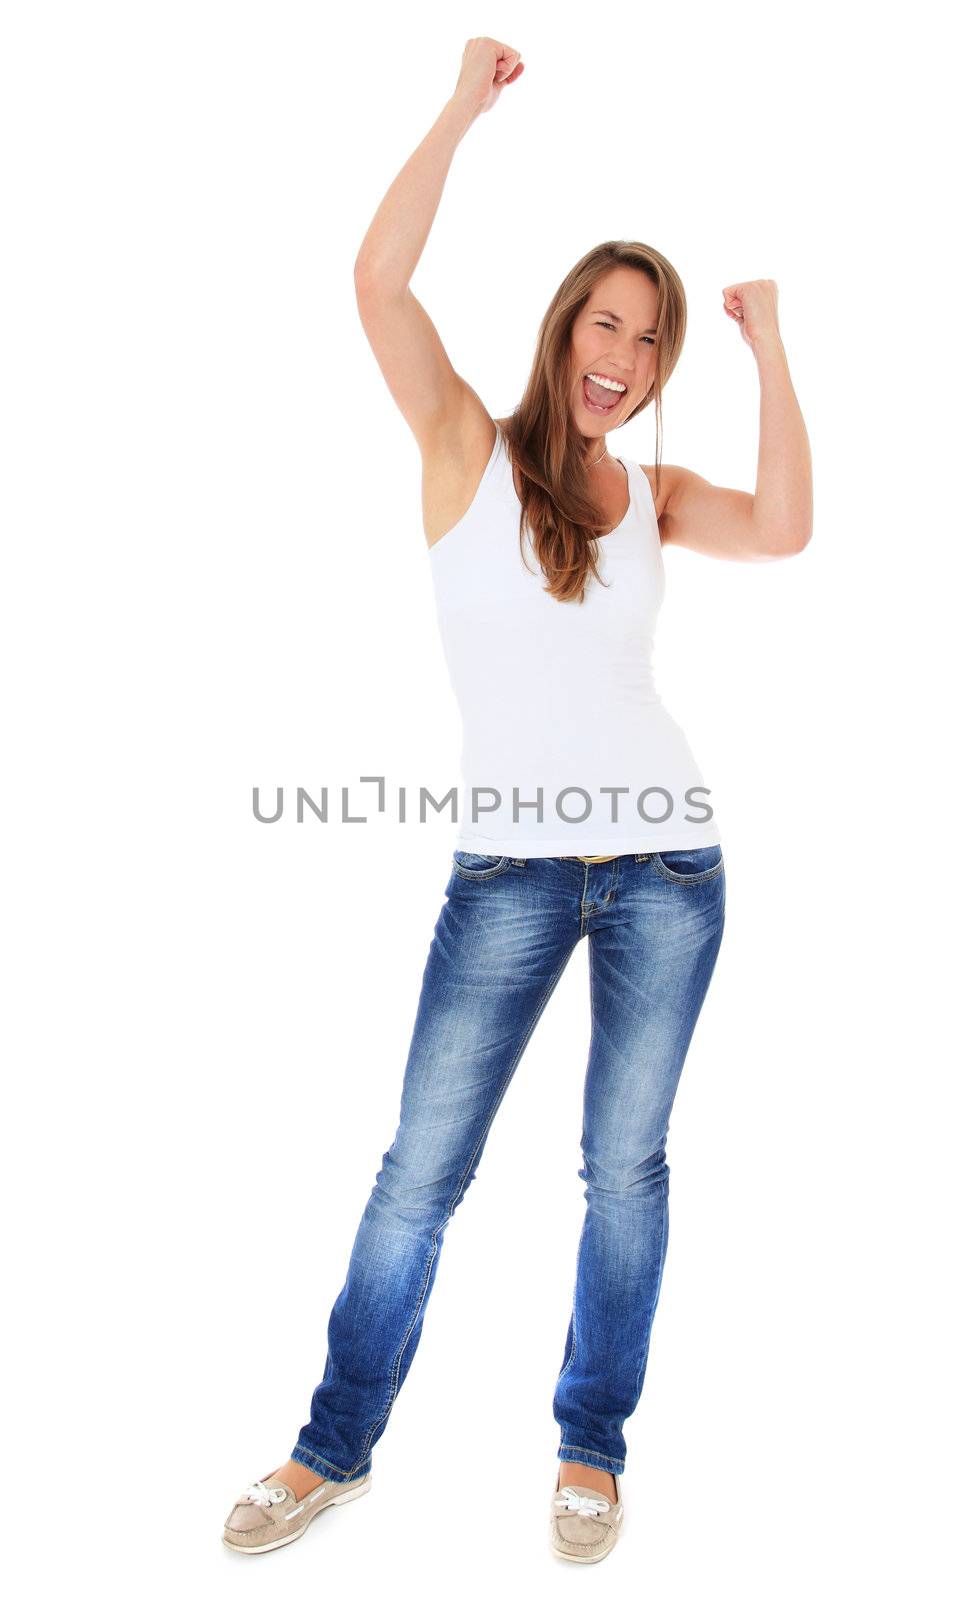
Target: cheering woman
[(584, 817)]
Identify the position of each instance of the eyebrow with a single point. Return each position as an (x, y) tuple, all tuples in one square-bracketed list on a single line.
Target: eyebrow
[(617, 318)]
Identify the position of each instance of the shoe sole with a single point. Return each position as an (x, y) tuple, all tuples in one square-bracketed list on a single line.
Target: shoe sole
[(260, 1549)]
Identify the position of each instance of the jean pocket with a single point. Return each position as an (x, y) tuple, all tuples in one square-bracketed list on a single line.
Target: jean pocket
[(689, 866), (469, 864)]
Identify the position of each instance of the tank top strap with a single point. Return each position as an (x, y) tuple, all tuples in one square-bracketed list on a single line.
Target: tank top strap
[(498, 466), (503, 462)]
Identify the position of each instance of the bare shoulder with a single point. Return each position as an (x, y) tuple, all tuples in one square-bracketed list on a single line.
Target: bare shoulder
[(669, 477), (672, 480), (454, 458)]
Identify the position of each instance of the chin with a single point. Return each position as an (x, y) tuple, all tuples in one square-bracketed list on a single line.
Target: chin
[(591, 427)]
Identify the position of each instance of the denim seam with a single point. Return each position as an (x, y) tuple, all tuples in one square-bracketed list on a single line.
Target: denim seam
[(571, 1353), (643, 1357), (689, 879), (582, 912), (578, 1254), (595, 908), (479, 874), (305, 1450), (611, 1462), (428, 1268)]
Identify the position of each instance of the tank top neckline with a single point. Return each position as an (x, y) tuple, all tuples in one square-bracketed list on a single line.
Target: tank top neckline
[(598, 538), (500, 449)]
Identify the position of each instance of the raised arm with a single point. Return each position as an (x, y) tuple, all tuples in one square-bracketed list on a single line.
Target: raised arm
[(776, 520), (421, 379)]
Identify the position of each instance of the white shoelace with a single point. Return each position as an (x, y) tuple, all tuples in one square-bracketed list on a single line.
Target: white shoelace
[(258, 1495), (586, 1505)]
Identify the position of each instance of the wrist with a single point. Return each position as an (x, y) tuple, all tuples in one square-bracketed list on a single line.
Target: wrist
[(458, 115), (768, 346)]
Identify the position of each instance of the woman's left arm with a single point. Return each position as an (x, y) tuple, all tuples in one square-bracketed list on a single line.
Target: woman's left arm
[(776, 520)]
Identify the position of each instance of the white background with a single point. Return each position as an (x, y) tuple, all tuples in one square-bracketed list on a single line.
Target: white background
[(215, 577)]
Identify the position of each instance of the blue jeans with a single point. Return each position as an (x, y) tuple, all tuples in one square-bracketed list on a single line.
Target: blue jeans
[(505, 933)]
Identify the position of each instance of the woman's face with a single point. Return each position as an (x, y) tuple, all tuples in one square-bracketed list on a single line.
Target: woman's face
[(614, 337)]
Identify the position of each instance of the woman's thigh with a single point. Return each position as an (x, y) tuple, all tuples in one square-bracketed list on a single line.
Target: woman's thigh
[(501, 942), (651, 958)]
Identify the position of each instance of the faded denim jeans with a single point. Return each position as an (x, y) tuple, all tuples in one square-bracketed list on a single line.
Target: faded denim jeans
[(506, 931)]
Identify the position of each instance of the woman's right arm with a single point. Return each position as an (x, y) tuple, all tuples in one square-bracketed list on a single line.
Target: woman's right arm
[(425, 386)]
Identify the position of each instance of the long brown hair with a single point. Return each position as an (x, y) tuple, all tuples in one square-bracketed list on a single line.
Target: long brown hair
[(557, 509)]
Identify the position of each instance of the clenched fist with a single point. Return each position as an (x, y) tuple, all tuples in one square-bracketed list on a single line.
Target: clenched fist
[(487, 65), (754, 306)]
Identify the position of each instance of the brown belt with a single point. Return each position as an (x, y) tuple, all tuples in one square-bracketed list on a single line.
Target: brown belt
[(591, 858)]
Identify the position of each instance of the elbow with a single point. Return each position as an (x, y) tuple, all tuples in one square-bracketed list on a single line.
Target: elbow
[(770, 538), (362, 274), (789, 544), (799, 541), (369, 276), (373, 288)]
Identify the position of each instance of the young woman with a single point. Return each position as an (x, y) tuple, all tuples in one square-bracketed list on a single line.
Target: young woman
[(585, 817)]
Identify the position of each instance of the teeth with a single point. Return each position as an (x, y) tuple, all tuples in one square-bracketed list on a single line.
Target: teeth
[(606, 383)]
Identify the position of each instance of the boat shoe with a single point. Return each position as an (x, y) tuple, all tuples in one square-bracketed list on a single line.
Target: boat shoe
[(584, 1524), (267, 1514)]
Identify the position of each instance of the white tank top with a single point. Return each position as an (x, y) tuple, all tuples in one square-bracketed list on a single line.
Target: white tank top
[(558, 701)]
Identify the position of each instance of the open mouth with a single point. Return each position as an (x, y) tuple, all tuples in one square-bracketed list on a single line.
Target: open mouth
[(599, 399)]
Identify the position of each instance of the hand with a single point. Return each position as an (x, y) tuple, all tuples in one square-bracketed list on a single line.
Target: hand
[(755, 307), (487, 64)]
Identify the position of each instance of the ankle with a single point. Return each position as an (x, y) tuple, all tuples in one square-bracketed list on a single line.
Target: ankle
[(301, 1480), (595, 1478)]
